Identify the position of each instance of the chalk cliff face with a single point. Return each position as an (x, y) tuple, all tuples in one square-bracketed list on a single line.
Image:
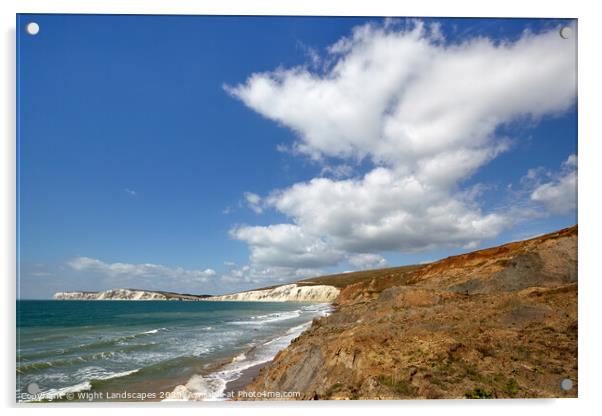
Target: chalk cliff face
[(125, 294), (285, 293)]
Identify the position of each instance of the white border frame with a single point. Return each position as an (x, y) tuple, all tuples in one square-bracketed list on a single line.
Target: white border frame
[(590, 33)]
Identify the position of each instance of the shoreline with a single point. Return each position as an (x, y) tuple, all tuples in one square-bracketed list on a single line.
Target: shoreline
[(246, 377), (223, 380)]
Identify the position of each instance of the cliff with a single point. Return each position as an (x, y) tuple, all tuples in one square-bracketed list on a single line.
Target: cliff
[(495, 323), (126, 294), (286, 293)]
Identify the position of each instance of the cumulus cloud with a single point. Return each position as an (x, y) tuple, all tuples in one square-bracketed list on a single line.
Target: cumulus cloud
[(287, 245), (367, 261), (257, 274), (398, 95), (142, 271), (424, 113), (559, 194), (384, 211)]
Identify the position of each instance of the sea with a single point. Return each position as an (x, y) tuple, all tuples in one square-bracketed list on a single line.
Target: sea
[(141, 350)]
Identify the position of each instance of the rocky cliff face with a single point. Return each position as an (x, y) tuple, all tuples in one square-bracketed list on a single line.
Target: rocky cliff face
[(285, 293), (500, 322), (125, 294)]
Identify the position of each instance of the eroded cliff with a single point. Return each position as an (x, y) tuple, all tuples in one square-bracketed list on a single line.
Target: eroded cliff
[(285, 293), (500, 322), (126, 294)]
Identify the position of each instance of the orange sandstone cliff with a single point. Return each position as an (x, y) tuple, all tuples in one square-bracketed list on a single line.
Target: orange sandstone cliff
[(495, 323)]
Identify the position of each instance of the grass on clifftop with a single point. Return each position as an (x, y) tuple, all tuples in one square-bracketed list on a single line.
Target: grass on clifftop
[(342, 280), (345, 279)]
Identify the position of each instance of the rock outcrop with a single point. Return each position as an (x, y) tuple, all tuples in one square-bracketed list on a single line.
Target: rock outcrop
[(285, 293), (495, 323)]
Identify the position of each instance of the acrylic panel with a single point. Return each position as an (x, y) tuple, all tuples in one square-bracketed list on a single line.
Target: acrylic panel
[(295, 208)]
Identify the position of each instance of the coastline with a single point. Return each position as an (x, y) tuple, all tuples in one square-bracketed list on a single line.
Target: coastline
[(408, 333), (226, 369), (246, 377), (500, 322), (222, 381)]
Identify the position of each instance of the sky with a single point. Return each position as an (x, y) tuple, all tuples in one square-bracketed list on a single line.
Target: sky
[(208, 154)]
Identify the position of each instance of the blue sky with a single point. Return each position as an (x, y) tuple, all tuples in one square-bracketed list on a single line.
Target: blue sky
[(214, 154)]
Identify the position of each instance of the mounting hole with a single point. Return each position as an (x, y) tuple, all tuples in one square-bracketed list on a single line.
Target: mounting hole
[(566, 384), (32, 28), (566, 32), (33, 388)]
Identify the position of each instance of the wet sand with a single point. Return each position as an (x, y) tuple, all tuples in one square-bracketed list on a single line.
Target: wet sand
[(234, 386)]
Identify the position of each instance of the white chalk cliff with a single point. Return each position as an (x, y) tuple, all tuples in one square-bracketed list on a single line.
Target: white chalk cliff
[(285, 293), (122, 294)]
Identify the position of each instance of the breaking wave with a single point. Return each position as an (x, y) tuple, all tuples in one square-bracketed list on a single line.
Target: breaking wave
[(212, 387)]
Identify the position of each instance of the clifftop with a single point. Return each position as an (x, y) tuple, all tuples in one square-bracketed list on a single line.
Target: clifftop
[(499, 322)]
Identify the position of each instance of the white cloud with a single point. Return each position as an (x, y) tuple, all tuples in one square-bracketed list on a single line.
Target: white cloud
[(135, 272), (559, 194), (253, 202), (261, 275), (381, 211), (400, 96), (130, 191), (424, 113), (570, 162), (368, 261), (286, 245)]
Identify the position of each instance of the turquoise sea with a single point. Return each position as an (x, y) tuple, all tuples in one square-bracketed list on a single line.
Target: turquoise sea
[(147, 346)]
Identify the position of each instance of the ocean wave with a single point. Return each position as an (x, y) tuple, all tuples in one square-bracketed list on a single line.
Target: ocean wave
[(58, 394), (272, 317), (97, 373), (122, 374), (199, 388), (86, 385), (317, 307), (42, 365), (165, 365), (213, 386), (34, 366), (27, 358), (239, 357), (89, 346), (153, 331), (100, 381)]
